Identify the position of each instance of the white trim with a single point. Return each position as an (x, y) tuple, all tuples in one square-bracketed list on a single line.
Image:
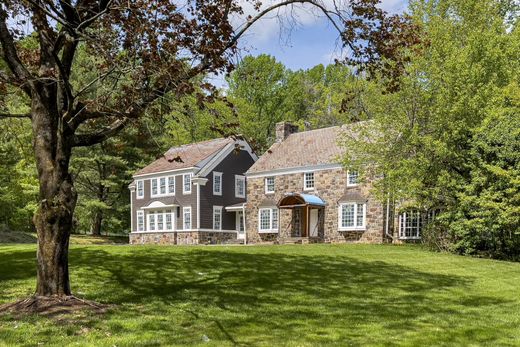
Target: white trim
[(265, 185), (355, 227), (198, 203), (402, 222), (183, 231), (166, 172), (292, 170), (219, 175), (235, 208), (131, 210), (156, 215), (141, 212), (219, 210), (305, 188), (239, 178), (186, 192), (158, 205)]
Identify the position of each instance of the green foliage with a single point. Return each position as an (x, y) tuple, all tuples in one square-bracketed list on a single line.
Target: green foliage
[(442, 140)]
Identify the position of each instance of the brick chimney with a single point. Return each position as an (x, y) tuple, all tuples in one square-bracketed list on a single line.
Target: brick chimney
[(284, 129)]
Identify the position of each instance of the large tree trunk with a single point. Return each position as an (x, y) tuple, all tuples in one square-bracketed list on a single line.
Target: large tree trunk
[(97, 221), (53, 219)]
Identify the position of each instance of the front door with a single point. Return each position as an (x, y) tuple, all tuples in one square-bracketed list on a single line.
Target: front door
[(313, 223), (240, 225)]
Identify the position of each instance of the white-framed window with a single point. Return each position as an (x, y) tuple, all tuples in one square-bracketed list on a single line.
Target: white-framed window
[(186, 183), (308, 180), (163, 186), (217, 217), (240, 186), (154, 183), (410, 225), (140, 220), (352, 216), (140, 189), (171, 185), (186, 217), (162, 220), (217, 183), (151, 221), (269, 185), (268, 220), (352, 178)]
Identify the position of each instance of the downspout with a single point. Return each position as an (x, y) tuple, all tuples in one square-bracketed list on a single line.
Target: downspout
[(388, 219), (245, 229)]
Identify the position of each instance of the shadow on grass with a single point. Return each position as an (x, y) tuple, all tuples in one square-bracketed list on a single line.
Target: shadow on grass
[(283, 293)]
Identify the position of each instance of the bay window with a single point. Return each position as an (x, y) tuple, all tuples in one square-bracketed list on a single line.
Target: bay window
[(352, 216), (268, 220)]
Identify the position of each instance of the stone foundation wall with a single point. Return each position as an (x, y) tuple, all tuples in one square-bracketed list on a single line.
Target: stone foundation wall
[(330, 186), (182, 238)]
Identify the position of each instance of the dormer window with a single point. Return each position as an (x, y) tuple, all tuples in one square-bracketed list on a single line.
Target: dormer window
[(269, 185), (308, 181), (217, 183), (352, 178)]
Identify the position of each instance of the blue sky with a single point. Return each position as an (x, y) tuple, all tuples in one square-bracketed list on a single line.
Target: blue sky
[(312, 42)]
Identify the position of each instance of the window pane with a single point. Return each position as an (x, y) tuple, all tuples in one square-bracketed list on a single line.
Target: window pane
[(275, 219), (160, 225), (140, 221), (151, 225), (353, 177), (217, 216), (359, 218), (171, 184), (162, 185), (187, 183), (140, 188), (269, 184), (347, 216), (309, 180), (187, 218), (265, 219), (169, 225), (154, 186)]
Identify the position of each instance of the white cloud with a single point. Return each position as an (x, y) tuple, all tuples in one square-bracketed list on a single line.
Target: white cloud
[(288, 18)]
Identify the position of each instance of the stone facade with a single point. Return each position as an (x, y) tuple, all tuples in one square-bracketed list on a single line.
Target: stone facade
[(183, 238), (331, 187)]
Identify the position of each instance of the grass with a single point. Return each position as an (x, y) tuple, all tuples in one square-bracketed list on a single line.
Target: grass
[(345, 295), (23, 237)]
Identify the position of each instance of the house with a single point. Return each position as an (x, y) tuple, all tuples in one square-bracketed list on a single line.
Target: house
[(193, 194), (299, 192)]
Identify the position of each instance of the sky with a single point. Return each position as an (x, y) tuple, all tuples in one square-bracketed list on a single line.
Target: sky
[(313, 41)]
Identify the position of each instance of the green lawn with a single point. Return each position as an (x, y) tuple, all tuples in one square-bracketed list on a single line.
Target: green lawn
[(296, 295)]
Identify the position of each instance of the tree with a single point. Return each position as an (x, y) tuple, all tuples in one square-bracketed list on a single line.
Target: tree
[(429, 136), (145, 51)]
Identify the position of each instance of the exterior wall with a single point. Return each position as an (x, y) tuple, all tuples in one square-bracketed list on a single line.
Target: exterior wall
[(236, 163), (330, 186), (182, 238), (179, 197)]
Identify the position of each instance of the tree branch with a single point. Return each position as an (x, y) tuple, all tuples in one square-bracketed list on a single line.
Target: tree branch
[(83, 140)]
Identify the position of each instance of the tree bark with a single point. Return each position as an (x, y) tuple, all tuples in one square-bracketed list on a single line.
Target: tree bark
[(97, 221), (53, 219)]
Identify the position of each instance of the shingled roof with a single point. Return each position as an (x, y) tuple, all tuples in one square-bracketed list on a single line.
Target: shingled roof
[(307, 148), (186, 156)]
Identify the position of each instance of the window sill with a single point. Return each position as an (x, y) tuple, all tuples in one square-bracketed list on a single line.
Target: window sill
[(160, 195), (268, 231), (409, 238), (353, 229), (269, 193)]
